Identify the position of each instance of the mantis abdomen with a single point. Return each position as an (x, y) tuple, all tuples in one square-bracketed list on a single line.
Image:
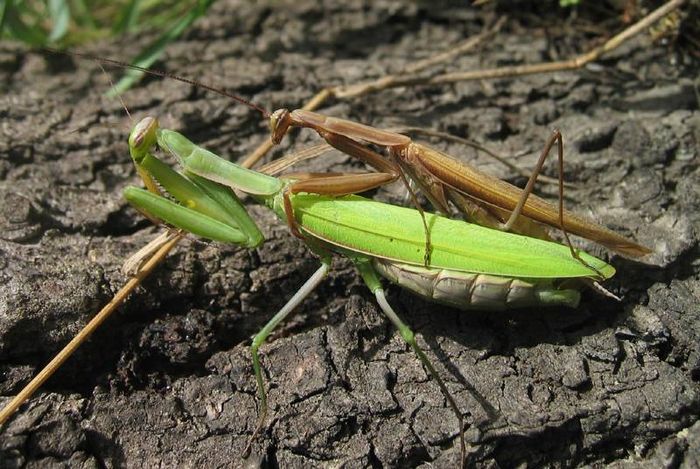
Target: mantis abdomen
[(469, 291)]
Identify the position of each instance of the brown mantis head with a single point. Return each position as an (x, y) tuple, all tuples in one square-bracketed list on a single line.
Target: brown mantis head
[(280, 120)]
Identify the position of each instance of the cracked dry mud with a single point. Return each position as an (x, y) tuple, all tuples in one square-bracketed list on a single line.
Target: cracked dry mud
[(168, 380)]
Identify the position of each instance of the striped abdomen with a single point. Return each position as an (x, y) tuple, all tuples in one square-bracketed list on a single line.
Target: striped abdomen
[(471, 291)]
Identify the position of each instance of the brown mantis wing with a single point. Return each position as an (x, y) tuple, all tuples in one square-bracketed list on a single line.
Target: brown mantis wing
[(481, 187)]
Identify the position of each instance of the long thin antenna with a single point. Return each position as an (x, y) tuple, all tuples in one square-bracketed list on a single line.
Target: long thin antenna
[(119, 96), (160, 73)]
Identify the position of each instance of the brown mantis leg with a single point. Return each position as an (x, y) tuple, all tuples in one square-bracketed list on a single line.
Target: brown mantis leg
[(555, 138), (414, 199), (353, 148), (334, 184), (344, 135)]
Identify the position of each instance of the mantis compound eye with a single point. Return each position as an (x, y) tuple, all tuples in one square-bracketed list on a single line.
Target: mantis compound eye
[(279, 123)]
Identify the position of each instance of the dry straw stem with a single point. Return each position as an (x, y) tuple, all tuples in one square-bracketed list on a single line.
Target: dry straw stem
[(94, 323)]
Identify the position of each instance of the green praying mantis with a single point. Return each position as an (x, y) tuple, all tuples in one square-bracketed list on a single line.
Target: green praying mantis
[(471, 266)]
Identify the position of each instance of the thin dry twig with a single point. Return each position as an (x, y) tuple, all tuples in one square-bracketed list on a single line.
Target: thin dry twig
[(89, 328), (549, 67)]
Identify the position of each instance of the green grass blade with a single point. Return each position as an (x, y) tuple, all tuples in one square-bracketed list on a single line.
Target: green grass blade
[(3, 14), (128, 18), (16, 28), (151, 53), (83, 15), (59, 11)]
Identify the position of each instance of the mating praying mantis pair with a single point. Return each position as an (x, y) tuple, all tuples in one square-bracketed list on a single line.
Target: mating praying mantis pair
[(418, 264), (471, 267)]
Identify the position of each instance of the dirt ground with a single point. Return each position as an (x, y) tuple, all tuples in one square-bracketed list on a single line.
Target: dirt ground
[(168, 380)]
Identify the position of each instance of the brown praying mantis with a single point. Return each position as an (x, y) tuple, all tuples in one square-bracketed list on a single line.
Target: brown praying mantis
[(484, 199)]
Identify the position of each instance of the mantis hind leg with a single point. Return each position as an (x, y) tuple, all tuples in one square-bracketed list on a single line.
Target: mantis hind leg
[(554, 139), (261, 336), (373, 282)]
